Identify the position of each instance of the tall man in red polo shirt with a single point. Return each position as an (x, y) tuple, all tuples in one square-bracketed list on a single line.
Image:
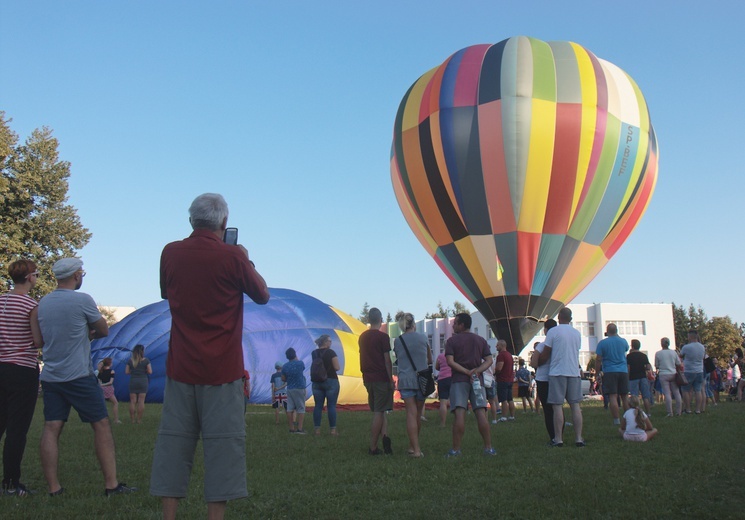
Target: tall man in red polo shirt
[(204, 281)]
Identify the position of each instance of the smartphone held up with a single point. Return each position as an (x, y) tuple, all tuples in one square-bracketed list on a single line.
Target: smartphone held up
[(230, 236)]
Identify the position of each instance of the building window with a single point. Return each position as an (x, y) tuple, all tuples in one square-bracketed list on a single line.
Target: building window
[(586, 328), (629, 328), (490, 333)]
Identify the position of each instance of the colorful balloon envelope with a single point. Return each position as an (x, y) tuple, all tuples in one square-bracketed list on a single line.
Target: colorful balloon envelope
[(522, 167)]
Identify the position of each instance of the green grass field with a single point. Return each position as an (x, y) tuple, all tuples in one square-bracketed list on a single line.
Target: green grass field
[(694, 469)]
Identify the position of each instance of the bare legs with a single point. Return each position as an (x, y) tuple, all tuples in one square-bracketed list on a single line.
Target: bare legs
[(104, 445), (115, 408), (136, 407), (49, 451), (215, 510), (444, 405), (413, 424), (613, 405), (459, 427), (559, 422), (379, 428)]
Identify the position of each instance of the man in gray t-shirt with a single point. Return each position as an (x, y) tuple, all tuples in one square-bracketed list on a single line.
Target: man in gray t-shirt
[(693, 354), (68, 320)]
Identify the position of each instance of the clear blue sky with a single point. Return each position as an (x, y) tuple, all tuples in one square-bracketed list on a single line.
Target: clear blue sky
[(287, 108)]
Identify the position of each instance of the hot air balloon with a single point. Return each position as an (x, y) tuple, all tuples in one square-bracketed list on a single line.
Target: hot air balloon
[(290, 319), (522, 167)]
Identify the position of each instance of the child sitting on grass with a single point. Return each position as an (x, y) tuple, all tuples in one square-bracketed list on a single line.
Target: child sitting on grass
[(635, 424)]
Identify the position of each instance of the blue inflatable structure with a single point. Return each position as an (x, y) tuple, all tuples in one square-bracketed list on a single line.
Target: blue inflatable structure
[(290, 319)]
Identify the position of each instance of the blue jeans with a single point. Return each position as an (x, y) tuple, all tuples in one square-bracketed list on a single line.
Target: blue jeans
[(328, 391)]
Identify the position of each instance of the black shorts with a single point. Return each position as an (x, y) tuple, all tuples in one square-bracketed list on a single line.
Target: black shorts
[(443, 388), (523, 391)]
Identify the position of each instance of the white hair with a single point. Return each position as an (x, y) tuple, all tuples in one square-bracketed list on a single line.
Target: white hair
[(208, 211)]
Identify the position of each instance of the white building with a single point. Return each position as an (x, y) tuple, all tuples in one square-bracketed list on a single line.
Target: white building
[(647, 322)]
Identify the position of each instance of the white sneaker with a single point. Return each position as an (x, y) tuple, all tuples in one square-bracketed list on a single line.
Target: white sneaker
[(616, 421), (494, 421), (503, 419), (510, 418)]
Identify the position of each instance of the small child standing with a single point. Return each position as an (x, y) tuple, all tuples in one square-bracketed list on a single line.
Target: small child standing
[(106, 378), (635, 424), (279, 391)]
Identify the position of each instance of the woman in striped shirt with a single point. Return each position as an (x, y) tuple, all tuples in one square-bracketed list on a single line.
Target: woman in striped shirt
[(20, 340)]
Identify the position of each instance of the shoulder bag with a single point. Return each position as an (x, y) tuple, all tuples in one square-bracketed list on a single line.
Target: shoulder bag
[(423, 377)]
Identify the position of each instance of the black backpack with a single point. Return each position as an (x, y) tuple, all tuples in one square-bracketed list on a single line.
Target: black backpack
[(318, 373)]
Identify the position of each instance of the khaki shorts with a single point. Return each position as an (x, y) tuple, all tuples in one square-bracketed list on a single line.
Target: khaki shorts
[(379, 396), (219, 411)]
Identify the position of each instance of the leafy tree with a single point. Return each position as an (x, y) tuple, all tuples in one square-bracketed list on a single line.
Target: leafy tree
[(459, 308), (364, 316), (36, 221), (108, 314), (685, 320), (388, 318), (447, 312), (721, 336), (440, 313)]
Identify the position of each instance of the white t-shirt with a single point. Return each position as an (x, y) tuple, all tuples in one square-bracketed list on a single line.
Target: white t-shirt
[(666, 360), (630, 416), (541, 373), (565, 342), (489, 376)]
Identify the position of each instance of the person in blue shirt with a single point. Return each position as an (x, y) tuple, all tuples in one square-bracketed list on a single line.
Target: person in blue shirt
[(293, 372), (611, 361)]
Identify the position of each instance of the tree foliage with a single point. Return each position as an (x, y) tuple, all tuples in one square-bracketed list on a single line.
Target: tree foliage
[(447, 312), (364, 316), (721, 338), (720, 334), (36, 221), (694, 318)]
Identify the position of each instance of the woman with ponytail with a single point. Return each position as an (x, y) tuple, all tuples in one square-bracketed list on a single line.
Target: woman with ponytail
[(635, 424)]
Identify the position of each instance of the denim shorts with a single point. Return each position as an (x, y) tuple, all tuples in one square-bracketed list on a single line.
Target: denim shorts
[(83, 394), (695, 380), (637, 386), (410, 392)]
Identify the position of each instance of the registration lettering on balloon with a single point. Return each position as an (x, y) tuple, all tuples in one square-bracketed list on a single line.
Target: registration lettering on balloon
[(522, 167)]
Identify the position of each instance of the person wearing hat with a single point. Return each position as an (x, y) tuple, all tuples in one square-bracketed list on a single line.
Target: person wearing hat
[(68, 321), (279, 391)]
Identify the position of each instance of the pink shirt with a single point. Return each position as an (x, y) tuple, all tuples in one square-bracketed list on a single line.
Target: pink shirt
[(444, 371)]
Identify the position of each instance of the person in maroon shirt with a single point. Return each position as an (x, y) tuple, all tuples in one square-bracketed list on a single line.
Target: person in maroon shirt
[(469, 356), (504, 373), (377, 375), (204, 281)]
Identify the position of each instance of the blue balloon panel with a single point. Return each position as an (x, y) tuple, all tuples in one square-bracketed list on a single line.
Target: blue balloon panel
[(290, 319)]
